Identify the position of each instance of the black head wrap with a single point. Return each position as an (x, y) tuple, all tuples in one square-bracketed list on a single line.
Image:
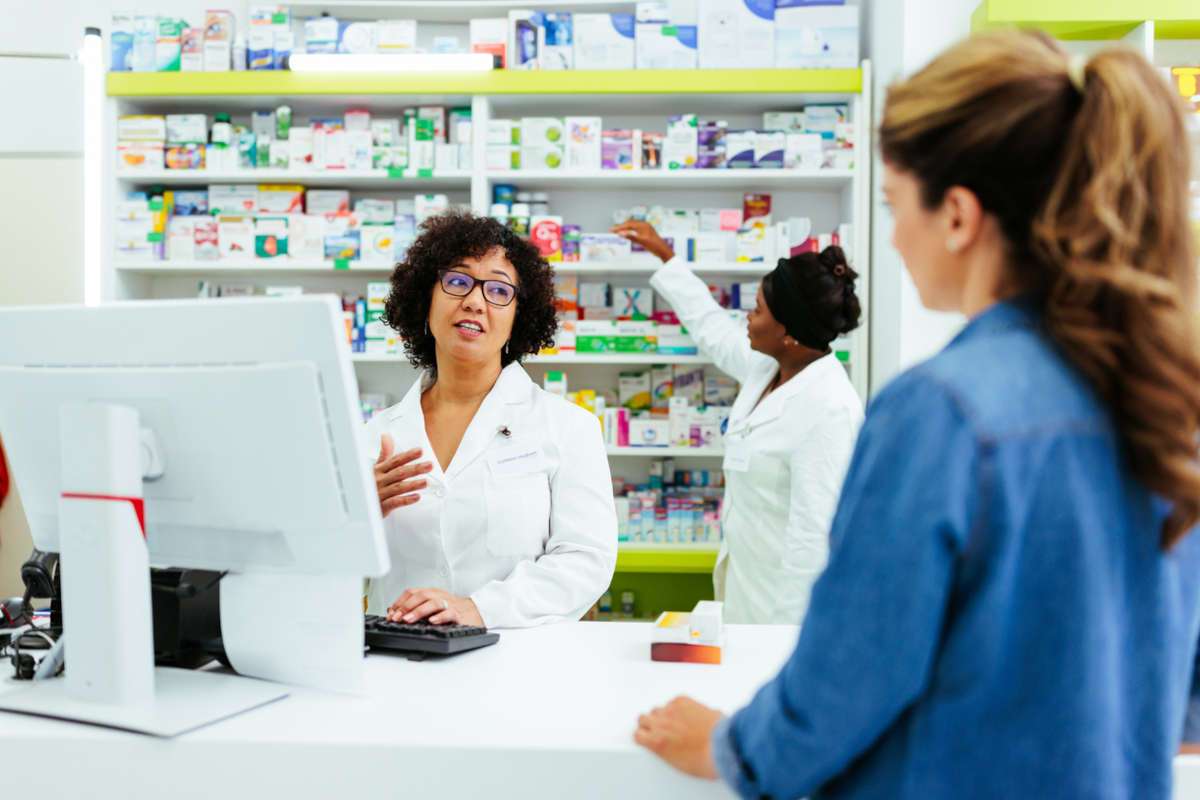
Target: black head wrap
[(812, 296)]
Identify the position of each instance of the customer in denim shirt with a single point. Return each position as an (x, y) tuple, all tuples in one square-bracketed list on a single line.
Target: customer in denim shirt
[(1012, 600)]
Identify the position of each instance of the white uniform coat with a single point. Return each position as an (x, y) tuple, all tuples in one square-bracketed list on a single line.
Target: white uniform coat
[(524, 523), (784, 461)]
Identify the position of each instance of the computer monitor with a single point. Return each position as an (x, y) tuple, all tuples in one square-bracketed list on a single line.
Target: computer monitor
[(245, 418)]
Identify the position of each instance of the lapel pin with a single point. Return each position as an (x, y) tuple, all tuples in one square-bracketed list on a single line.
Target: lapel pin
[(505, 432)]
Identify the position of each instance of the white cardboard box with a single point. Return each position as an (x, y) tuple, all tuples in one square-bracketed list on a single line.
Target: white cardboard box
[(181, 239), (815, 36), (541, 131), (306, 237), (583, 135), (377, 244), (605, 41), (737, 34), (667, 46), (236, 237)]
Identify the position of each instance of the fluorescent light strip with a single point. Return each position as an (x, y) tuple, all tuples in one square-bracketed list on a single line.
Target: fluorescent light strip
[(383, 63), (91, 57)]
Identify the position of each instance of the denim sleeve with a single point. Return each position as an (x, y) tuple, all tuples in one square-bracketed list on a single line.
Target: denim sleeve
[(1191, 729), (729, 766), (869, 640)]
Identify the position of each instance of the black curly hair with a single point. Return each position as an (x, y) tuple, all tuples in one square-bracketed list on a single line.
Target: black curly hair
[(812, 295), (446, 240)]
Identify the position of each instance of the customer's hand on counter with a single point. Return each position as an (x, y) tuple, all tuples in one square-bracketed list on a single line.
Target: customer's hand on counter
[(438, 606), (644, 235), (680, 733), (397, 478)]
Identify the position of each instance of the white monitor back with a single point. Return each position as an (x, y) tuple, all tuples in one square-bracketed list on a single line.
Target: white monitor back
[(254, 404)]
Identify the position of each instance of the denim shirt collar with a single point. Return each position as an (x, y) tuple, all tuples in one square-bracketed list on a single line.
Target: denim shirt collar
[(1022, 311)]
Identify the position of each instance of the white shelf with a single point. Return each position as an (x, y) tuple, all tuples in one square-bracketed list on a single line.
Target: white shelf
[(446, 10), (607, 358), (689, 178), (666, 452), (259, 268), (286, 266), (378, 358), (618, 358), (825, 179), (649, 268), (373, 178)]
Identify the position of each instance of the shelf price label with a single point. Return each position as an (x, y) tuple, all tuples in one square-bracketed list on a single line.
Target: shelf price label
[(341, 263), (154, 236), (424, 173), (395, 173)]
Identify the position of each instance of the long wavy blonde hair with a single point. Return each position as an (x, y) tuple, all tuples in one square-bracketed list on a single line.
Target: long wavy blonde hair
[(1086, 167)]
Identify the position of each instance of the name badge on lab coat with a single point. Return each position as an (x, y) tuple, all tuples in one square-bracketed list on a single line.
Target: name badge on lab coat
[(737, 457), (518, 459)]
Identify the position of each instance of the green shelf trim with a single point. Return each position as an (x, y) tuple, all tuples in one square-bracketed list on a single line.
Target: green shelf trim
[(499, 82), (666, 561), (1096, 20)]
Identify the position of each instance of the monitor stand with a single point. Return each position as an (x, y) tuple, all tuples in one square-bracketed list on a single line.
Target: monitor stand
[(111, 679), (183, 701)]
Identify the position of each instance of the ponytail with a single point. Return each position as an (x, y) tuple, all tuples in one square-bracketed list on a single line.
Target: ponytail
[(1120, 301)]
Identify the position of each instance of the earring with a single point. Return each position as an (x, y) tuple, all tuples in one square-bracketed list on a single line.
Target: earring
[(951, 246), (506, 349)]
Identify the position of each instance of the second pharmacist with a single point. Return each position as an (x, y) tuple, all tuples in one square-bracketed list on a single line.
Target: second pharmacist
[(791, 430)]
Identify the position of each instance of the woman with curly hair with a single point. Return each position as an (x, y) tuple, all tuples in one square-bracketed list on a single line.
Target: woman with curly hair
[(496, 496), (1013, 592), (791, 429)]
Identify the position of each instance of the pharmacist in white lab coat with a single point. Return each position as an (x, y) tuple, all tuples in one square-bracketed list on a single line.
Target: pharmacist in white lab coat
[(791, 430), (497, 497)]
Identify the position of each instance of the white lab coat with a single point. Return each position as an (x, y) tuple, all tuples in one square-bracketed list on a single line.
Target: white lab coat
[(784, 461), (523, 524)]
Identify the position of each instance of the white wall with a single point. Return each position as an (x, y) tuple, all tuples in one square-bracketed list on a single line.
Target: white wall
[(41, 207), (904, 331)]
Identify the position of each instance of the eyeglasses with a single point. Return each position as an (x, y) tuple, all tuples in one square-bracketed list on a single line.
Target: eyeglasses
[(460, 284)]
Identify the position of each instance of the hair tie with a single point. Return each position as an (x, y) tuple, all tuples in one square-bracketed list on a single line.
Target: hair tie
[(839, 270), (1076, 69)]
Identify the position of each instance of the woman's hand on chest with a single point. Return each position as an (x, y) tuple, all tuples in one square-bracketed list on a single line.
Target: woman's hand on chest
[(398, 476)]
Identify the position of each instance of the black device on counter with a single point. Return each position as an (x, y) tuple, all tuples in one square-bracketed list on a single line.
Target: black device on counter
[(419, 639), (186, 607)]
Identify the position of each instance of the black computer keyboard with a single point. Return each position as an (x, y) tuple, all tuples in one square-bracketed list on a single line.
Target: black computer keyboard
[(424, 638)]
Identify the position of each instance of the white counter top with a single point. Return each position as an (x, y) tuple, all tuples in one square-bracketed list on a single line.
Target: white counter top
[(546, 712)]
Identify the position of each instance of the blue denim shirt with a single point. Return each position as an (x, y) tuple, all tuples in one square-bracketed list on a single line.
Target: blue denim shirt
[(1191, 726), (997, 618)]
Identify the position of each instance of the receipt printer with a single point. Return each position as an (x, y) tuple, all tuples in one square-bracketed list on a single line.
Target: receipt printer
[(694, 638)]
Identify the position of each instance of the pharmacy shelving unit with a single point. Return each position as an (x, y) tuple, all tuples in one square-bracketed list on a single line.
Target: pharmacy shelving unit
[(1167, 32), (625, 99), (1088, 20)]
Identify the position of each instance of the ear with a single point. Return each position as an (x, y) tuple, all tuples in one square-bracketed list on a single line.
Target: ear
[(962, 216)]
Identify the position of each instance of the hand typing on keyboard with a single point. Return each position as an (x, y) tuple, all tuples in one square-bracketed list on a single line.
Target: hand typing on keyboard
[(420, 639), (423, 628), (436, 606)]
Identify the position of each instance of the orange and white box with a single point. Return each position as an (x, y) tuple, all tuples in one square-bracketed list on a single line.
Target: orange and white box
[(695, 638)]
